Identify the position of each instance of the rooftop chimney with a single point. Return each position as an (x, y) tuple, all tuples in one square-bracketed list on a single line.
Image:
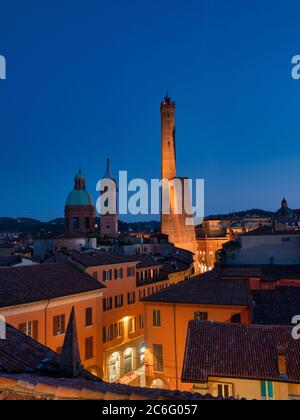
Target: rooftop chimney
[(281, 360)]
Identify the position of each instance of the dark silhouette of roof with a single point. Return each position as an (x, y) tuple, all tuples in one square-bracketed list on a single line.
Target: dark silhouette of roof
[(10, 261), (266, 272), (276, 307)]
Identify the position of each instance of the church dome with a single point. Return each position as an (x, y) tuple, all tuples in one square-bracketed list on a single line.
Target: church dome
[(79, 198), (285, 212)]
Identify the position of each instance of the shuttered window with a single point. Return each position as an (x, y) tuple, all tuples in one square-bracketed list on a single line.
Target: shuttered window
[(59, 324)]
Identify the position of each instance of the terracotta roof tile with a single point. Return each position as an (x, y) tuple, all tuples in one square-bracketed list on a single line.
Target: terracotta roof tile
[(206, 289), (20, 285), (276, 307), (239, 351)]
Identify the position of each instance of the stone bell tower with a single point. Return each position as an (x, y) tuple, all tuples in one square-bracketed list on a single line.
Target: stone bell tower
[(174, 225), (109, 221)]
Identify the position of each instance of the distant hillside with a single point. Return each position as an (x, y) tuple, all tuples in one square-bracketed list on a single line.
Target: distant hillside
[(240, 214), (27, 225), (33, 226)]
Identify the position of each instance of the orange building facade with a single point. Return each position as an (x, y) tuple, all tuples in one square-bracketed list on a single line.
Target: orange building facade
[(109, 308), (46, 319), (166, 322)]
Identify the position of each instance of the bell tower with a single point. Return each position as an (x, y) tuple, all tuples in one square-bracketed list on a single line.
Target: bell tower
[(108, 221), (168, 145), (174, 224)]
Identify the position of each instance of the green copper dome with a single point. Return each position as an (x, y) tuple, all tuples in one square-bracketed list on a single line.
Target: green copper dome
[(79, 198)]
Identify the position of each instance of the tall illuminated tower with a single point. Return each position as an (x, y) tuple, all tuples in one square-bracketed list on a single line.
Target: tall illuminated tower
[(174, 225)]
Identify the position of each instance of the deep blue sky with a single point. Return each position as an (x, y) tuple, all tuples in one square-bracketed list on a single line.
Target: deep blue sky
[(85, 80)]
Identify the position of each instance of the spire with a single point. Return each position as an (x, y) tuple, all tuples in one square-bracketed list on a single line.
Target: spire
[(284, 202), (69, 361), (107, 172)]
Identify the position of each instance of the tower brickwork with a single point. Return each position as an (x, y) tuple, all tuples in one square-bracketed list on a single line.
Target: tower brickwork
[(109, 221), (174, 225)]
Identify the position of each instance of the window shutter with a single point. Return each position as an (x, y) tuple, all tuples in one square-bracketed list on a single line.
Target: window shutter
[(270, 390), (55, 324), (88, 316), (35, 334), (263, 389), (63, 326)]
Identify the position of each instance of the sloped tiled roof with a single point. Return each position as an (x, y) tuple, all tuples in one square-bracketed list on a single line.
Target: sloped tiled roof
[(21, 354), (24, 375), (239, 351), (267, 272), (20, 285), (207, 289), (99, 258), (276, 307)]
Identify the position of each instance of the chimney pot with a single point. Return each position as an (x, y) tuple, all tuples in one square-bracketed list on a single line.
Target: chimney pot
[(281, 359)]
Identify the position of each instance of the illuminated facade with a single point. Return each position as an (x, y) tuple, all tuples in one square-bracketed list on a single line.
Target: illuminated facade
[(167, 314), (174, 225)]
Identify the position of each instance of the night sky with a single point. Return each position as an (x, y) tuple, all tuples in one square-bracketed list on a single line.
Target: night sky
[(85, 80)]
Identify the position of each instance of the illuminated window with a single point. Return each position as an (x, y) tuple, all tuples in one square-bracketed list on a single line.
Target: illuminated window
[(131, 325), (142, 353), (158, 357)]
